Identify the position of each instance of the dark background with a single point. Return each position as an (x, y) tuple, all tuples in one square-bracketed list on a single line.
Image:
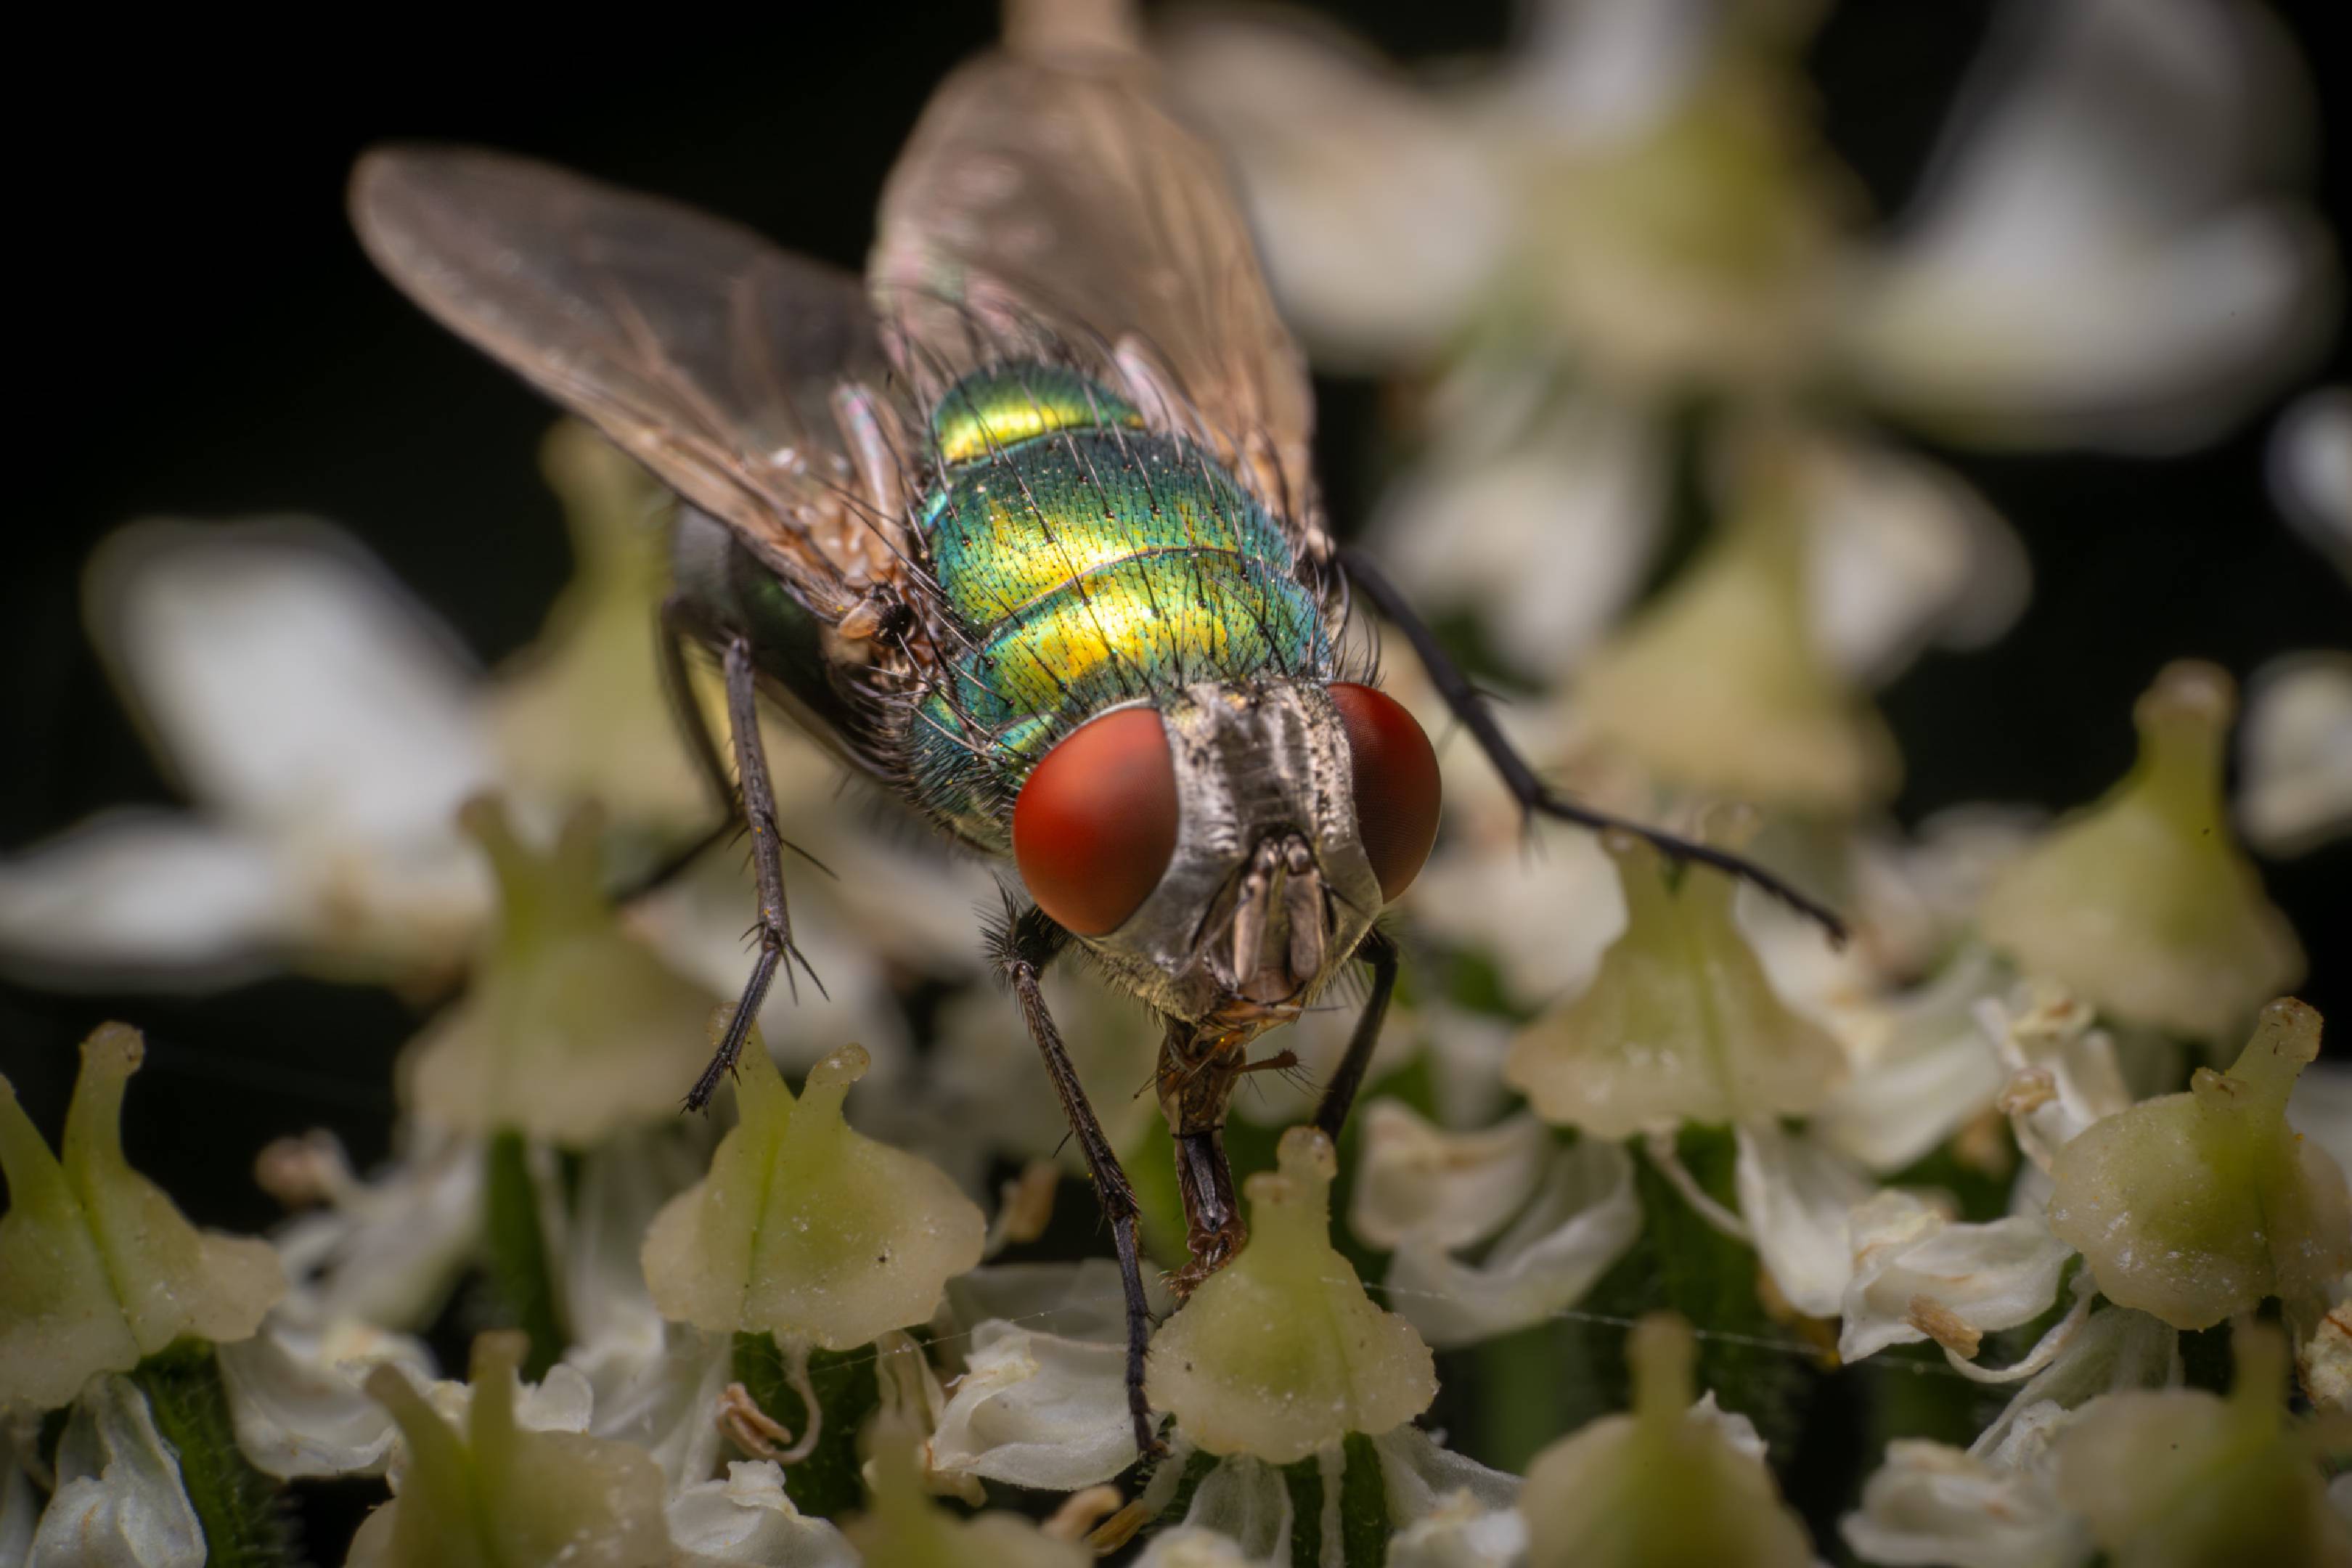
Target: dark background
[(197, 334)]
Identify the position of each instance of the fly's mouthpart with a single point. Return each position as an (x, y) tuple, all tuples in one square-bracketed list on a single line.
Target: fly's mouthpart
[(1274, 943)]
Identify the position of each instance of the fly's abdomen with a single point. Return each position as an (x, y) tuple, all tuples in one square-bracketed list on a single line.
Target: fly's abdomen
[(1093, 562)]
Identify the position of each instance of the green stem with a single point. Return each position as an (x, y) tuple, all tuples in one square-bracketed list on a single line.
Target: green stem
[(521, 1275), (1363, 1506), (247, 1520), (828, 1483), (1305, 1481)]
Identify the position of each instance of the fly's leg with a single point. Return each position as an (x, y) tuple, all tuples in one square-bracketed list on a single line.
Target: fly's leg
[(775, 925), (678, 627), (1379, 950), (1025, 950), (1197, 1074), (681, 626), (1468, 705)]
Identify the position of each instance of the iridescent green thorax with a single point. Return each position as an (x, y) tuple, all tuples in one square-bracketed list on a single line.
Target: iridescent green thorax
[(1093, 563)]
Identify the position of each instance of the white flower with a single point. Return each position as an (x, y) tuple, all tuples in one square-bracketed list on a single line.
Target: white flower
[(2311, 470), (2099, 256), (298, 1402), (120, 1502), (1928, 1070), (1567, 1213), (1917, 1276), (747, 1518), (1995, 1504), (324, 726), (1242, 1514), (2294, 752), (1795, 1196), (1037, 1410)]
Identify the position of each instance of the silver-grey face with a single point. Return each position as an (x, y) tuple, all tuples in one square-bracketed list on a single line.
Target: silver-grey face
[(1268, 890)]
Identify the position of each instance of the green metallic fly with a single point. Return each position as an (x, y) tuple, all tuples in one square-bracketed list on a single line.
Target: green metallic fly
[(1024, 529)]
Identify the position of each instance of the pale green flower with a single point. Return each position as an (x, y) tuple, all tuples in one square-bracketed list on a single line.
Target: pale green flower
[(2199, 1205), (1680, 1024), (1280, 1352), (499, 1495), (1667, 1483), (2184, 1478), (804, 1228), (1720, 687), (904, 1528), (98, 1269), (2143, 904), (572, 1029)]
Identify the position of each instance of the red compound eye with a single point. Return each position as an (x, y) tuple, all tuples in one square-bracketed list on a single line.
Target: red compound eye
[(1396, 785), (1095, 824)]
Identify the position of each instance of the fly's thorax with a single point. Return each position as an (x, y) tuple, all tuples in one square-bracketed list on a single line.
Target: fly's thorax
[(1268, 890), (1091, 564)]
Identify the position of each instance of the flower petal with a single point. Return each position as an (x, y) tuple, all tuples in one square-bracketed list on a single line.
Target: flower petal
[(2311, 470), (120, 1502), (298, 1401), (1934, 1071), (1796, 1194), (1037, 1410), (1455, 1189), (83, 910), (748, 1519), (1930, 1502), (1582, 1221), (1547, 537), (289, 679), (2294, 750), (1918, 1275)]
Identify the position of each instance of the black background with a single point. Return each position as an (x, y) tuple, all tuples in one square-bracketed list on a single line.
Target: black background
[(197, 334)]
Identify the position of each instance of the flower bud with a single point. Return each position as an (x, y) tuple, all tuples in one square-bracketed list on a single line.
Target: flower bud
[(572, 1029), (1281, 1352), (1665, 1483), (98, 1269), (1680, 1024), (805, 1229), (2144, 905), (2197, 1205)]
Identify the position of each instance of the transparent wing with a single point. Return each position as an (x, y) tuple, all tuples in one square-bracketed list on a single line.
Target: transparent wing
[(1050, 196), (750, 380)]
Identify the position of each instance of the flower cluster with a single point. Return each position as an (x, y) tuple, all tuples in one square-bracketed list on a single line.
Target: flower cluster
[(2040, 1177)]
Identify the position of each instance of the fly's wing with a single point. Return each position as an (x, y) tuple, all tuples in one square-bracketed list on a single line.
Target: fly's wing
[(1050, 199), (751, 382)]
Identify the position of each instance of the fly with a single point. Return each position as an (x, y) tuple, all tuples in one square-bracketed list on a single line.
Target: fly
[(1022, 527)]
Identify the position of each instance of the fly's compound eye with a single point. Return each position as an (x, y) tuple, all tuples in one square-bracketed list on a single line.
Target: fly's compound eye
[(1396, 783), (1095, 826)]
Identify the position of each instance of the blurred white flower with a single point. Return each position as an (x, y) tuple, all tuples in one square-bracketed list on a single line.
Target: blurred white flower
[(1995, 1504), (2294, 754), (120, 1502), (748, 1519), (2311, 470), (325, 728), (1566, 1213)]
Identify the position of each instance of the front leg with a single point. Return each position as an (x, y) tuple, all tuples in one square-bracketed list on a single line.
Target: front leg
[(775, 923), (1469, 706), (1025, 950)]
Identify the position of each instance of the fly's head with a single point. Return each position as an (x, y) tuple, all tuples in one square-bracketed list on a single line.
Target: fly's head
[(1225, 852)]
